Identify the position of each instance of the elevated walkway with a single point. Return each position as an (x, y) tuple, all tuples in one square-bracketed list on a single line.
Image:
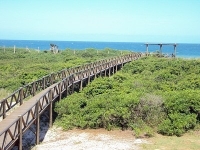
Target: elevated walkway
[(13, 126)]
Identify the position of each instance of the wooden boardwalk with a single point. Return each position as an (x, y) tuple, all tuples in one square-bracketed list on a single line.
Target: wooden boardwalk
[(44, 93)]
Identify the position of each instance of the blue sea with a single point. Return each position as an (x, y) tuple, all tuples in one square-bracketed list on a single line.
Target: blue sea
[(183, 49)]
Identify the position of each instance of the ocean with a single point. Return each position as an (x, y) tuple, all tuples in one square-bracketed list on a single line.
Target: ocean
[(183, 49)]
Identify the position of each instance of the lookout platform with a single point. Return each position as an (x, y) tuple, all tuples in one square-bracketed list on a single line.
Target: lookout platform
[(161, 45)]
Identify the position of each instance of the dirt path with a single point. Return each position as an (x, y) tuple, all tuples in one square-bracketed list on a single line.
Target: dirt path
[(89, 139)]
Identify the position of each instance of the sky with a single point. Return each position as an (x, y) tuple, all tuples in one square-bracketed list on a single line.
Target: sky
[(176, 21)]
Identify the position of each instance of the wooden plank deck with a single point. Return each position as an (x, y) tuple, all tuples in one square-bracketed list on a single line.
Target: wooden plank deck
[(13, 118)]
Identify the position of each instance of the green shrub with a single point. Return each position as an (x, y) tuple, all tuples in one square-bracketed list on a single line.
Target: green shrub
[(146, 95), (101, 86), (177, 124), (183, 111), (22, 67)]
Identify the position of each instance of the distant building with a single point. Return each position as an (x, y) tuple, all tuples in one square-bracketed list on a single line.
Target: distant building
[(54, 48)]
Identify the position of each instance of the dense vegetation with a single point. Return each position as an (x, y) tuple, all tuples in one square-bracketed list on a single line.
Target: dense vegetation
[(147, 95), (22, 67)]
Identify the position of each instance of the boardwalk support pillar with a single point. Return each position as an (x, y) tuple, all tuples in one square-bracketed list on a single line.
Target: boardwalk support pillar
[(95, 73), (37, 124), (44, 83), (81, 83), (73, 79), (160, 50), (147, 49), (20, 132), (60, 91), (4, 108), (67, 87), (174, 50), (89, 77), (113, 67), (101, 71), (50, 108), (21, 92), (109, 71), (34, 88)]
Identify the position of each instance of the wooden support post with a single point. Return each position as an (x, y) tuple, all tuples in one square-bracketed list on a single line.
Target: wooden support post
[(20, 133), (95, 73), (50, 107), (73, 83), (37, 123), (51, 79), (4, 108), (44, 83), (63, 74), (147, 49), (67, 86), (21, 92), (101, 73), (14, 48), (116, 68), (60, 91), (34, 88), (89, 76), (160, 49), (109, 71), (174, 50), (81, 84), (133, 56)]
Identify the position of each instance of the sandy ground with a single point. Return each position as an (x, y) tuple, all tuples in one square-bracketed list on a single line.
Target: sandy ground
[(89, 139)]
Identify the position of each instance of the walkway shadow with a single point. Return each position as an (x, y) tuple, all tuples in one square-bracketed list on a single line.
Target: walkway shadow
[(29, 137)]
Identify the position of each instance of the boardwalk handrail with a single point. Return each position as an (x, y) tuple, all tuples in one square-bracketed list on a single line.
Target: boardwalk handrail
[(13, 127), (17, 97)]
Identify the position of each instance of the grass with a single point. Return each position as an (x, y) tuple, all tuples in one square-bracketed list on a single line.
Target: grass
[(23, 67), (189, 141), (3, 93)]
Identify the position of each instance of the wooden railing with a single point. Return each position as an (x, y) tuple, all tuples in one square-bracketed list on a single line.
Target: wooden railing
[(17, 97), (15, 124)]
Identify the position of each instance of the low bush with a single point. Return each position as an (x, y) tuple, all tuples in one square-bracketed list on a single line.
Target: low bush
[(147, 95), (22, 67)]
